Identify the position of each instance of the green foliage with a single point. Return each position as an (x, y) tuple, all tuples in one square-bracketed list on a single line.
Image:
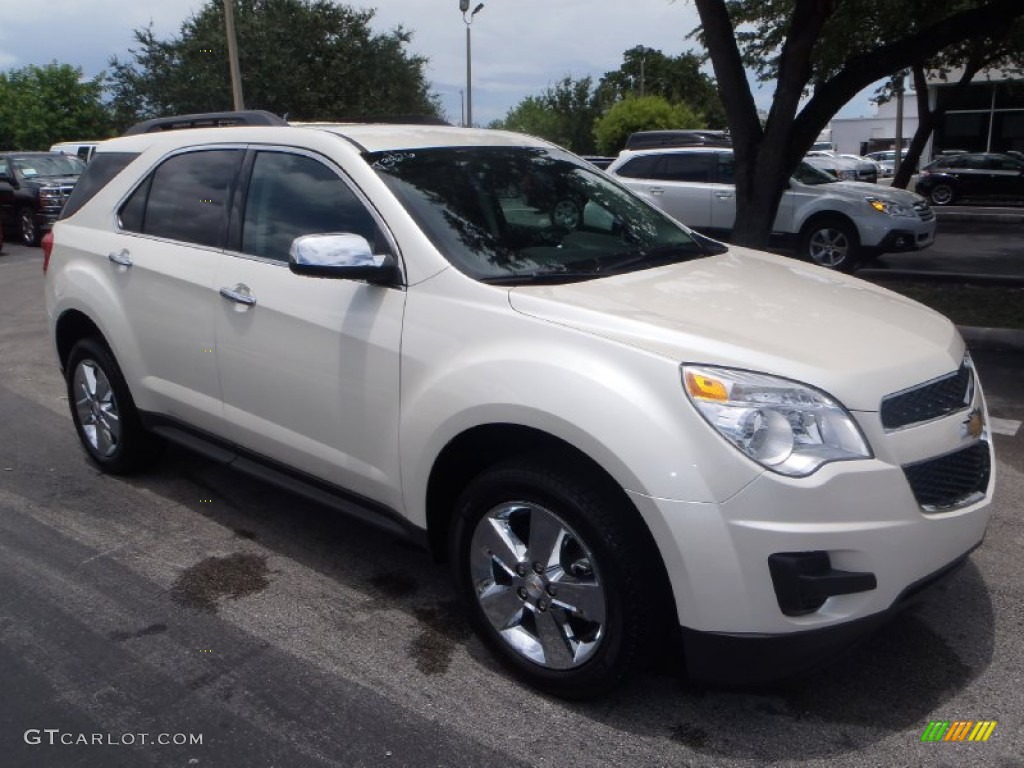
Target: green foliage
[(563, 113), (308, 59), (678, 79), (40, 106), (641, 113)]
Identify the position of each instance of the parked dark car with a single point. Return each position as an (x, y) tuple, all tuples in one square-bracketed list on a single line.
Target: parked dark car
[(972, 176), (33, 189)]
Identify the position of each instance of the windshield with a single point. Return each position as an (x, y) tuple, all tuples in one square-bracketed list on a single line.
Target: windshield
[(524, 214), (47, 165), (806, 173)]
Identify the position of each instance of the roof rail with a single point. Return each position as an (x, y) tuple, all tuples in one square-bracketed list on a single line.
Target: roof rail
[(206, 120), (678, 138), (381, 119)]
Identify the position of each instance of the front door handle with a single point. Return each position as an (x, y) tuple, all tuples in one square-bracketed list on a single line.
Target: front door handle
[(122, 258), (656, 190), (240, 294), (725, 195)]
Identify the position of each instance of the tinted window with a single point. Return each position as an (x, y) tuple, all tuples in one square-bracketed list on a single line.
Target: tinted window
[(292, 195), (524, 214), (639, 167), (726, 168), (187, 196), (692, 166), (96, 176)]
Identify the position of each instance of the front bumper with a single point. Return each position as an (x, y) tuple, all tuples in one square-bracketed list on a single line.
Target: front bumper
[(855, 539), (752, 659)]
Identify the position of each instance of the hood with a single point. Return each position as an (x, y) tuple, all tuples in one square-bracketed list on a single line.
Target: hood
[(752, 310), (51, 181), (860, 189)]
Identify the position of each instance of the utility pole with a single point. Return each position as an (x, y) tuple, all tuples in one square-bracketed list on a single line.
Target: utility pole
[(236, 74)]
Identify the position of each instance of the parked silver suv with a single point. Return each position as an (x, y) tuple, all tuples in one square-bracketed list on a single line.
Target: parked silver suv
[(834, 224)]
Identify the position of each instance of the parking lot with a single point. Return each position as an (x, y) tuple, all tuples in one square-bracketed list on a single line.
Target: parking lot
[(193, 600)]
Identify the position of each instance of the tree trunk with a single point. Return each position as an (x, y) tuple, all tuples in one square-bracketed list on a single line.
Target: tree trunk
[(766, 157)]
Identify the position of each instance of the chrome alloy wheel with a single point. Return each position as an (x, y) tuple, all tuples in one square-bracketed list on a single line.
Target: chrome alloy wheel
[(829, 247), (97, 408), (538, 585)]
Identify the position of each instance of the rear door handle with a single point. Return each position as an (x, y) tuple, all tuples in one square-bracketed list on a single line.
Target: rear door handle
[(724, 195), (656, 190), (122, 258), (240, 294)]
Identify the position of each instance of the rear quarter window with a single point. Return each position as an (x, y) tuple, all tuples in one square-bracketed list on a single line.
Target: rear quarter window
[(103, 168)]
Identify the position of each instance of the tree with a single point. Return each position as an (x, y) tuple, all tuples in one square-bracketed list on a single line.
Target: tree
[(678, 79), (641, 113), (309, 59), (826, 51), (563, 113), (40, 106)]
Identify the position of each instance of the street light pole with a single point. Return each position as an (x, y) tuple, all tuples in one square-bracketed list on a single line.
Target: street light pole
[(464, 7)]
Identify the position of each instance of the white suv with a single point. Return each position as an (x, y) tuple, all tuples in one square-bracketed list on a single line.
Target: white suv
[(618, 433), (836, 224)]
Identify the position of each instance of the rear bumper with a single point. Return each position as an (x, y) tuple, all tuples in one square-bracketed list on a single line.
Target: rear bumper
[(730, 658)]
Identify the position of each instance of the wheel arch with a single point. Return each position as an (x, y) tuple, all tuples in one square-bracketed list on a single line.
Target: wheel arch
[(72, 326), (829, 215), (477, 448)]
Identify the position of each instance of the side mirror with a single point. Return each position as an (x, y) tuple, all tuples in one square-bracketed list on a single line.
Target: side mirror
[(342, 256)]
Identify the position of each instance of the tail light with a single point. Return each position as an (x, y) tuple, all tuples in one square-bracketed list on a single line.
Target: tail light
[(47, 245)]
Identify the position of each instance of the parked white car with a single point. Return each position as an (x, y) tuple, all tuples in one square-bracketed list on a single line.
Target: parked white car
[(618, 434), (834, 224)]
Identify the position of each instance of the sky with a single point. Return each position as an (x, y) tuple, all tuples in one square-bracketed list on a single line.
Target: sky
[(519, 47)]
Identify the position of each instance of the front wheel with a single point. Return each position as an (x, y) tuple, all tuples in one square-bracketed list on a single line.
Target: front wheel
[(554, 577), (831, 243), (104, 414), (29, 230)]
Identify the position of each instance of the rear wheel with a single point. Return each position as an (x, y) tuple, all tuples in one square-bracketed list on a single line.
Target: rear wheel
[(556, 578), (942, 194), (103, 411), (831, 243)]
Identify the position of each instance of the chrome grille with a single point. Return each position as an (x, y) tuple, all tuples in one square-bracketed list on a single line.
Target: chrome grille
[(950, 481), (929, 401)]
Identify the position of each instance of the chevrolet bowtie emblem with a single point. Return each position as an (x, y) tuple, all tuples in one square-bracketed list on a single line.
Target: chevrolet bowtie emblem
[(974, 424)]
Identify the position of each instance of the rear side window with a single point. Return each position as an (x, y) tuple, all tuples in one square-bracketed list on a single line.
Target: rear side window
[(185, 198), (692, 166), (639, 167), (104, 167)]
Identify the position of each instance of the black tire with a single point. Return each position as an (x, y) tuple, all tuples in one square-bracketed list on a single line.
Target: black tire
[(942, 194), (832, 243), (27, 227), (597, 594), (104, 413)]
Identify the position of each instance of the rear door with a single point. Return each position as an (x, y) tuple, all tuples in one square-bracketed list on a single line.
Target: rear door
[(679, 183), (163, 260)]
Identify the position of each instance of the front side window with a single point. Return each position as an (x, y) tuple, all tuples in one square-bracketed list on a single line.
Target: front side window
[(526, 214), (185, 198), (806, 173), (292, 195)]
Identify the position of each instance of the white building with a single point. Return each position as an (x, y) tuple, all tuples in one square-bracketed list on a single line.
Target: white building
[(987, 117)]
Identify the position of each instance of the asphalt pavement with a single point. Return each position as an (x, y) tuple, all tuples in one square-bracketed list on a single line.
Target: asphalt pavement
[(191, 601)]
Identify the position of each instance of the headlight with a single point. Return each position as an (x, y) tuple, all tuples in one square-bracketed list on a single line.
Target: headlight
[(784, 426), (49, 194), (888, 207)]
